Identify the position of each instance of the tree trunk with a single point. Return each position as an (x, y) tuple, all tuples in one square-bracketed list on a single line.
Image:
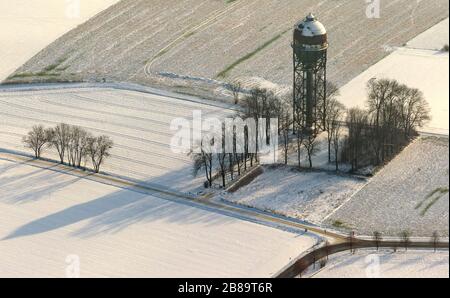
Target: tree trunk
[(329, 151), (223, 179), (336, 152)]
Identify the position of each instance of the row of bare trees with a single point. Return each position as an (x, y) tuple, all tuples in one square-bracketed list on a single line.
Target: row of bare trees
[(357, 136), (393, 115), (232, 150), (405, 237), (260, 105), (330, 113), (377, 238), (72, 143)]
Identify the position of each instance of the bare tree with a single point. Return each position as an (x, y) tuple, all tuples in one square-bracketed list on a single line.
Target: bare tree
[(83, 148), (351, 240), (311, 147), (59, 139), (254, 108), (300, 141), (299, 131), (357, 122), (414, 110), (405, 237), (203, 160), (98, 149), (36, 139), (395, 112), (222, 166), (377, 237), (285, 122), (221, 156), (260, 104), (236, 89), (435, 240), (332, 122), (77, 146), (336, 132), (323, 107), (231, 151), (327, 249)]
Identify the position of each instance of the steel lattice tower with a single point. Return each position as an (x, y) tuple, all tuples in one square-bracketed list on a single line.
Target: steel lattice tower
[(310, 47)]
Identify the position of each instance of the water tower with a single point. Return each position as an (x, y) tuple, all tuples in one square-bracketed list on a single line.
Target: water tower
[(310, 73)]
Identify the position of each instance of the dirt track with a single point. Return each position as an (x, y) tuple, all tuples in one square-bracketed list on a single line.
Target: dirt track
[(204, 38)]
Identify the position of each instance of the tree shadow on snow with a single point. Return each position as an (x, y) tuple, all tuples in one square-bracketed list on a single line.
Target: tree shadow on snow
[(116, 211)]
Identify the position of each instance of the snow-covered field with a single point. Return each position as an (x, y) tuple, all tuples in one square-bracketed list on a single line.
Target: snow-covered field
[(26, 27), (411, 264), (51, 218), (410, 193), (308, 196), (418, 65), (242, 39), (138, 123), (432, 39)]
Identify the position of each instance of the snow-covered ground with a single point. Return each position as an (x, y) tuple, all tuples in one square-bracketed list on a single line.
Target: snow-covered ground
[(138, 123), (51, 218), (26, 27), (385, 264), (432, 39), (308, 196), (249, 40), (418, 65), (410, 193)]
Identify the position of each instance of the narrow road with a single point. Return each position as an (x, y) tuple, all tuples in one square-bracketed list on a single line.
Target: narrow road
[(335, 242), (298, 267), (225, 208)]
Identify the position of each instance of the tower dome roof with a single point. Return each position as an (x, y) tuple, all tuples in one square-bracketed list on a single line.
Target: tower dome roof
[(310, 31), (310, 26)]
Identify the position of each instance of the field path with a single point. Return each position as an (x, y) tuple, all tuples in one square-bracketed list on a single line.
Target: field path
[(201, 26), (232, 210)]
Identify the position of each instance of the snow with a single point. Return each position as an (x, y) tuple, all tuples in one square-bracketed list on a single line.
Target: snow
[(311, 27), (425, 69), (138, 123), (409, 193), (201, 39), (308, 196), (411, 264), (29, 26), (50, 215), (432, 39)]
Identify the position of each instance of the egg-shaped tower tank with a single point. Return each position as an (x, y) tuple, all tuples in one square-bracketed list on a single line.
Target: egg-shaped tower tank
[(310, 47)]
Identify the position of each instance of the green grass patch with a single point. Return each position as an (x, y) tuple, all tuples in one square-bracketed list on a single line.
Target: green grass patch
[(22, 75), (340, 225), (49, 71), (432, 198), (34, 74), (54, 66), (224, 72)]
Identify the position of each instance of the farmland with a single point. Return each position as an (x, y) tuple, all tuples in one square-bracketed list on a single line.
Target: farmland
[(51, 216), (309, 196), (182, 45), (363, 264), (138, 123), (420, 64), (29, 26), (410, 193), (133, 68)]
